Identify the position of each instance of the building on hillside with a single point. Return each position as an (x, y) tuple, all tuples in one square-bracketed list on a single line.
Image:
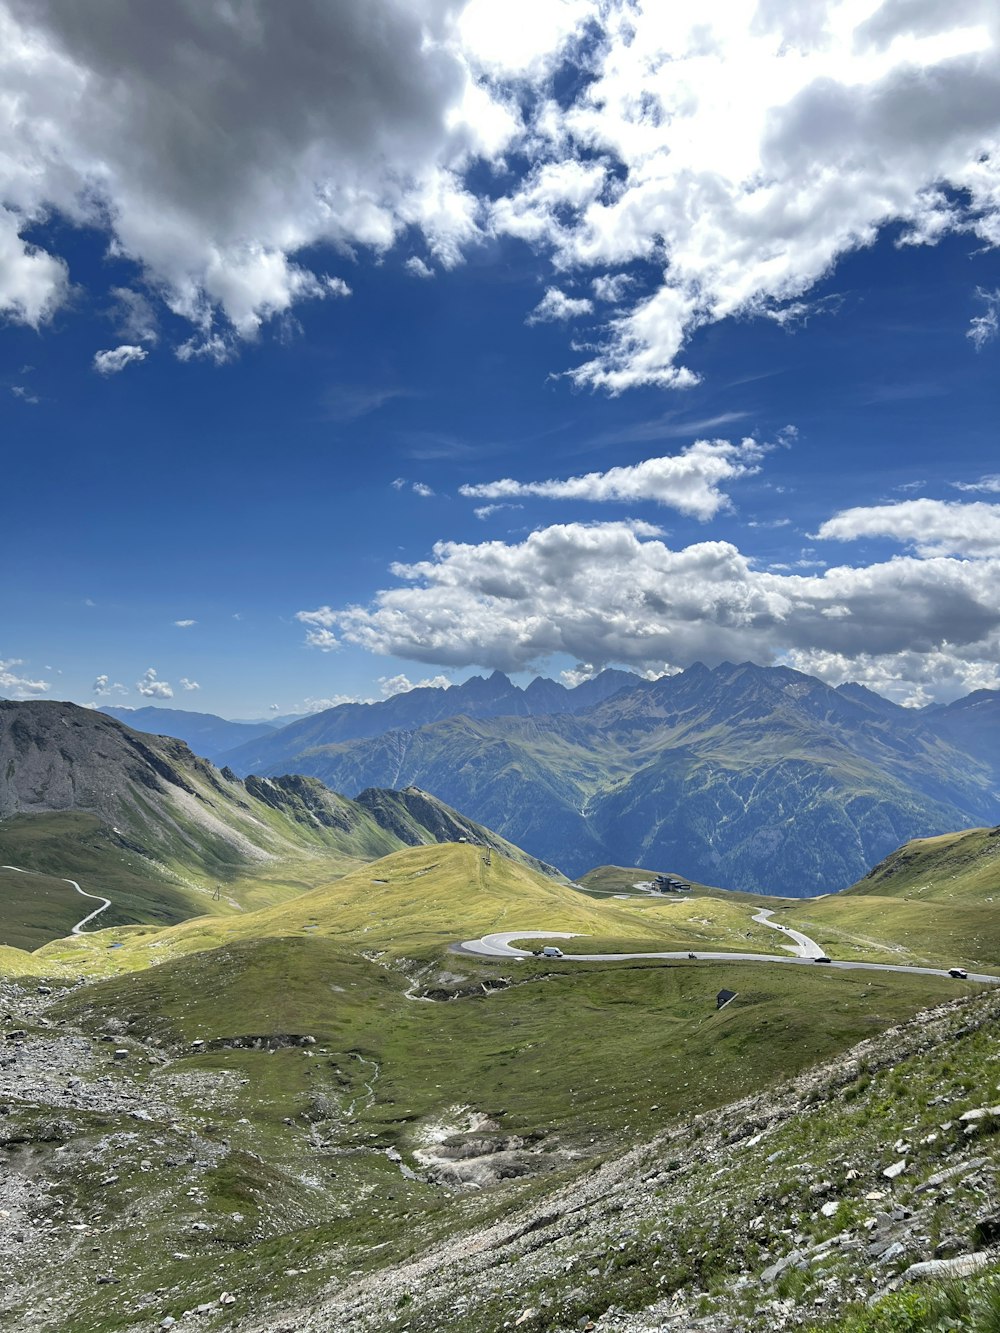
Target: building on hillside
[(724, 997)]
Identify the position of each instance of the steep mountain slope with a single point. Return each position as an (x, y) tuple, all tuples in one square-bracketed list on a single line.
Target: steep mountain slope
[(762, 779), (971, 724), (207, 735), (158, 829), (477, 697), (955, 867)]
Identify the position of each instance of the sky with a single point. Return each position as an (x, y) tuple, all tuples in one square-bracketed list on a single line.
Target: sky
[(352, 347)]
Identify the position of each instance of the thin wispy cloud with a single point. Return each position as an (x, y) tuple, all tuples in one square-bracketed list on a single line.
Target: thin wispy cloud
[(688, 482)]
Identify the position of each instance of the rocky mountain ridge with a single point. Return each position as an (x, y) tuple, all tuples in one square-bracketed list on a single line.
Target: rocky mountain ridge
[(762, 779)]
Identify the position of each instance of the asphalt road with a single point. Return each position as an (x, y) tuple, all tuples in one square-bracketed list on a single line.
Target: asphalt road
[(803, 946), (78, 928), (498, 947)]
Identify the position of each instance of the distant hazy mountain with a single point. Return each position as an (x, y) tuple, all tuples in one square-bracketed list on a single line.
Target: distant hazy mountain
[(755, 778), (207, 735), (479, 696), (971, 724)]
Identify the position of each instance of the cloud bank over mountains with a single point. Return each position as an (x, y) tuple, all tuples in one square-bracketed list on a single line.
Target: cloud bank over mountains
[(911, 626), (734, 154)]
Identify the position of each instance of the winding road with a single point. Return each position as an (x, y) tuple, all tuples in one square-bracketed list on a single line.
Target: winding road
[(805, 954), (78, 928)]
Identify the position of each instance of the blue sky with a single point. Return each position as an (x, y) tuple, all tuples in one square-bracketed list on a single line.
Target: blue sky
[(346, 348)]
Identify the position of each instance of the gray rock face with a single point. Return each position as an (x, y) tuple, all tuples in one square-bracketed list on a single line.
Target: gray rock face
[(964, 1265)]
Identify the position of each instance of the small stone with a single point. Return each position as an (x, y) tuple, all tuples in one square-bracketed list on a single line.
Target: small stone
[(227, 1298), (121, 1054), (897, 1169), (830, 1209), (168, 1322)]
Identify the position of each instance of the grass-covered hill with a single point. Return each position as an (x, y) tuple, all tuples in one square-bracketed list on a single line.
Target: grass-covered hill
[(934, 898), (763, 779), (165, 835)]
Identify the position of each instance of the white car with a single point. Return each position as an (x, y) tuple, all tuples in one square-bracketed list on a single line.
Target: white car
[(959, 973), (550, 951)]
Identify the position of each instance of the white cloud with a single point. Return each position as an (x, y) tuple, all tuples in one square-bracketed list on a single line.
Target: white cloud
[(134, 316), (104, 687), (33, 283), (152, 688), (318, 637), (390, 685), (911, 678), (25, 395), (745, 148), (422, 489), (189, 684), (615, 592), (217, 348), (117, 358), (732, 154), (989, 484), (344, 125), (321, 705), (983, 328), (416, 267), (930, 527), (688, 481), (487, 511), (611, 287), (185, 624), (16, 686), (556, 305)]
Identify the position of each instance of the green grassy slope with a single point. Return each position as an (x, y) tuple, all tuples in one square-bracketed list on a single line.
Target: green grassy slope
[(292, 1172), (414, 903), (934, 899)]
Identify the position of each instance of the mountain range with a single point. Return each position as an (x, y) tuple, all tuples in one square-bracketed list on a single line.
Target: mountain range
[(759, 778), (82, 791)]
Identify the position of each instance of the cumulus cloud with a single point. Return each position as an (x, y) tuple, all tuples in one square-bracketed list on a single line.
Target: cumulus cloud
[(732, 156), (16, 686), (422, 489), (113, 361), (338, 124), (390, 685), (185, 624), (930, 527), (153, 688), (616, 592), (688, 482), (319, 636), (556, 305), (189, 684), (911, 678), (744, 149), (104, 687)]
